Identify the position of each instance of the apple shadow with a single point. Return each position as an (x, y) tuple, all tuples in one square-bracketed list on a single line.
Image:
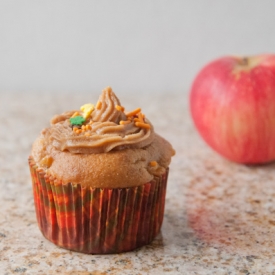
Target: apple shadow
[(233, 208)]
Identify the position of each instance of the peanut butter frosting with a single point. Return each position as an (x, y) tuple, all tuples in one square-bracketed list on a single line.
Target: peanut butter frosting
[(102, 146)]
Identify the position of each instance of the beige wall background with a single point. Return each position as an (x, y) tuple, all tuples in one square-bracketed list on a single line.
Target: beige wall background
[(143, 46)]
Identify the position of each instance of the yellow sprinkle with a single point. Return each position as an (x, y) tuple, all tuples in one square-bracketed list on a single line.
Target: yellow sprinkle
[(98, 105), (153, 163), (143, 125), (75, 114), (134, 112), (87, 109)]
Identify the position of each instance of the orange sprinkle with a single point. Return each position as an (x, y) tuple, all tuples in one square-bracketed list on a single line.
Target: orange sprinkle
[(78, 131), (75, 129), (119, 108), (46, 161), (75, 114), (124, 122), (140, 117), (87, 134), (83, 127), (153, 163), (98, 105), (143, 125), (88, 127), (134, 112)]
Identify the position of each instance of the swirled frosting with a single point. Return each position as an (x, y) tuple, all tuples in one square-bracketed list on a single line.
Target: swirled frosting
[(106, 128)]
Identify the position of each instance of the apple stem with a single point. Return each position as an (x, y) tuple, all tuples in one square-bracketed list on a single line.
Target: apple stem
[(244, 61)]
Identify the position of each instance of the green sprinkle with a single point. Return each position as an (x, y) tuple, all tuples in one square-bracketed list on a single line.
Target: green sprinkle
[(77, 120)]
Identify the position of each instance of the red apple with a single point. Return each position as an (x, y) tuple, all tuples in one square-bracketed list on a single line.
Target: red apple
[(232, 103)]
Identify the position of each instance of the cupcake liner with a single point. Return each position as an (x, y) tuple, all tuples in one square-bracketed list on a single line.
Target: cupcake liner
[(97, 220)]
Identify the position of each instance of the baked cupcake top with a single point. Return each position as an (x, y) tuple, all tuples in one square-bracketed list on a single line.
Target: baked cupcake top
[(103, 146)]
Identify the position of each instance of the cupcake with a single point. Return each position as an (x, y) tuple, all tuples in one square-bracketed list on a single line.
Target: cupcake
[(99, 178)]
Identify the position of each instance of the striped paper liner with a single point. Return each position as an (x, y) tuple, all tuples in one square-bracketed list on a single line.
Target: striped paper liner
[(97, 220)]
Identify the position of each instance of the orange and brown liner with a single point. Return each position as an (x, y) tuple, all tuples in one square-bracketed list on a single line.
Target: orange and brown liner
[(95, 220)]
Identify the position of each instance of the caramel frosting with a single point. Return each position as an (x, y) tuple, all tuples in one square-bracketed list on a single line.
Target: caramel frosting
[(102, 146), (105, 133)]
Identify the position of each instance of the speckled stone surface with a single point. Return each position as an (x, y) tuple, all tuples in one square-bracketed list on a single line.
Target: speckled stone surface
[(219, 216)]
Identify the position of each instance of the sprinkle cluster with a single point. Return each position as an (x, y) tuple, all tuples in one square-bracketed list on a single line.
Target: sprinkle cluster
[(80, 124), (137, 117)]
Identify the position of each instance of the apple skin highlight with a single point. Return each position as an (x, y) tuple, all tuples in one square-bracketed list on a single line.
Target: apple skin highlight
[(232, 103)]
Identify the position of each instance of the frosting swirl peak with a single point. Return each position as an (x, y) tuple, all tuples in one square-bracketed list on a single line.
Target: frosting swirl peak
[(108, 111)]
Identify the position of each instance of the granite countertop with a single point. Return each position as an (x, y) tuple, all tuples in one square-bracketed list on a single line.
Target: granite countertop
[(219, 216)]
